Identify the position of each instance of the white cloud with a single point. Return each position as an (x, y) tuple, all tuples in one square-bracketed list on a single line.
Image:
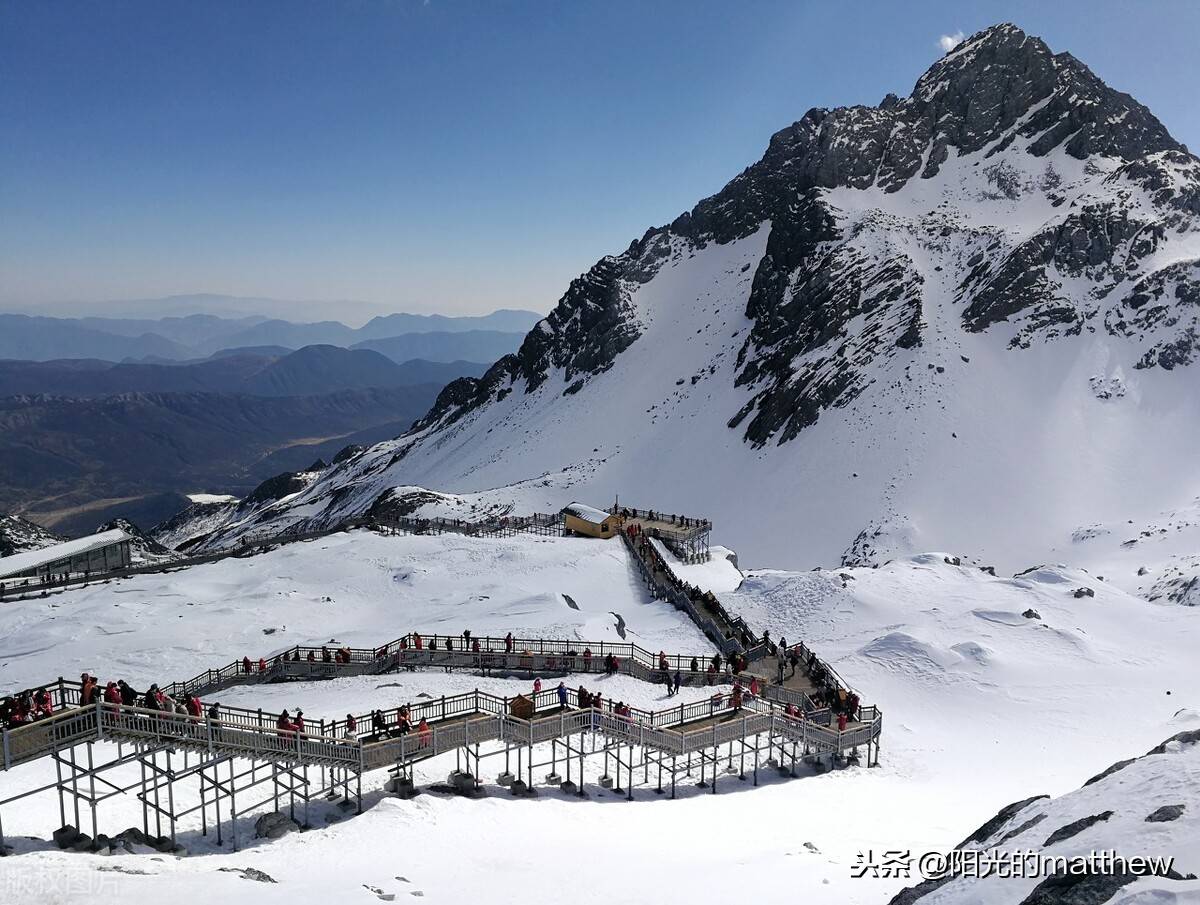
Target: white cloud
[(949, 42)]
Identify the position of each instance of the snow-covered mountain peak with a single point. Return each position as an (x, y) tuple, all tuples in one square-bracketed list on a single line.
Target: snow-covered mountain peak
[(914, 324)]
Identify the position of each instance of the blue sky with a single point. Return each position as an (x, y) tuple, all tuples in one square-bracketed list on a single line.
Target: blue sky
[(443, 155)]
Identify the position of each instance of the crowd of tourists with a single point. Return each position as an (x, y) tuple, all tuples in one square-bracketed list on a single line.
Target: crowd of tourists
[(650, 515), (30, 706)]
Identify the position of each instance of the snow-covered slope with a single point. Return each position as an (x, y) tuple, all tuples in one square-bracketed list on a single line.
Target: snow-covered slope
[(960, 320), (18, 535), (983, 706), (1140, 808), (354, 588)]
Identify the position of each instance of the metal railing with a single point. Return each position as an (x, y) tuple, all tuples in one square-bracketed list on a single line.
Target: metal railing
[(451, 722)]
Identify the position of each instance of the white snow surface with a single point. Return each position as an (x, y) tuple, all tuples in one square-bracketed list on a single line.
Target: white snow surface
[(982, 706), (212, 498), (355, 588)]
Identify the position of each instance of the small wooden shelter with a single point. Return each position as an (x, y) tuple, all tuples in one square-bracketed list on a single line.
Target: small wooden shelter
[(579, 518)]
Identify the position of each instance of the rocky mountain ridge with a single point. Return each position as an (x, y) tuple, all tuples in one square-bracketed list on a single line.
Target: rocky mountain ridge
[(897, 309)]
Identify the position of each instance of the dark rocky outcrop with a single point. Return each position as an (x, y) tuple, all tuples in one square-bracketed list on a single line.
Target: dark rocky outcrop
[(1075, 827), (274, 825), (1079, 889), (276, 488), (1166, 813), (1003, 816), (346, 452)]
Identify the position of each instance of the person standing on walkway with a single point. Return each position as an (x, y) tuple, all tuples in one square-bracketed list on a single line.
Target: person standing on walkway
[(670, 687), (87, 690), (678, 681), (214, 719)]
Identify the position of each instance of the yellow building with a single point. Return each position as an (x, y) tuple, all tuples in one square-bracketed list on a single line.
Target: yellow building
[(581, 519)]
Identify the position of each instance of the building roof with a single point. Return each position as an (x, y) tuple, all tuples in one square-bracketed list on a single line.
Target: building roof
[(31, 559), (587, 513)]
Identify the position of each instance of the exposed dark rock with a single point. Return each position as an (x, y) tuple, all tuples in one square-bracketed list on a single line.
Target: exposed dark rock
[(390, 504), (1187, 737), (276, 488), (346, 452), (1166, 813), (1032, 614), (911, 894), (65, 836), (274, 825), (1028, 824), (1082, 889), (249, 873), (1109, 771), (1075, 828), (1002, 817)]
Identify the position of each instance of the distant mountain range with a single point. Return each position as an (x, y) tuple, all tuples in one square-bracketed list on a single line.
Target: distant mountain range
[(312, 370), (104, 418), (71, 464), (198, 336), (226, 307)]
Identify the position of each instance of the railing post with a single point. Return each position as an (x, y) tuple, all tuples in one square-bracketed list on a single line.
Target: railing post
[(7, 752), (99, 718)]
